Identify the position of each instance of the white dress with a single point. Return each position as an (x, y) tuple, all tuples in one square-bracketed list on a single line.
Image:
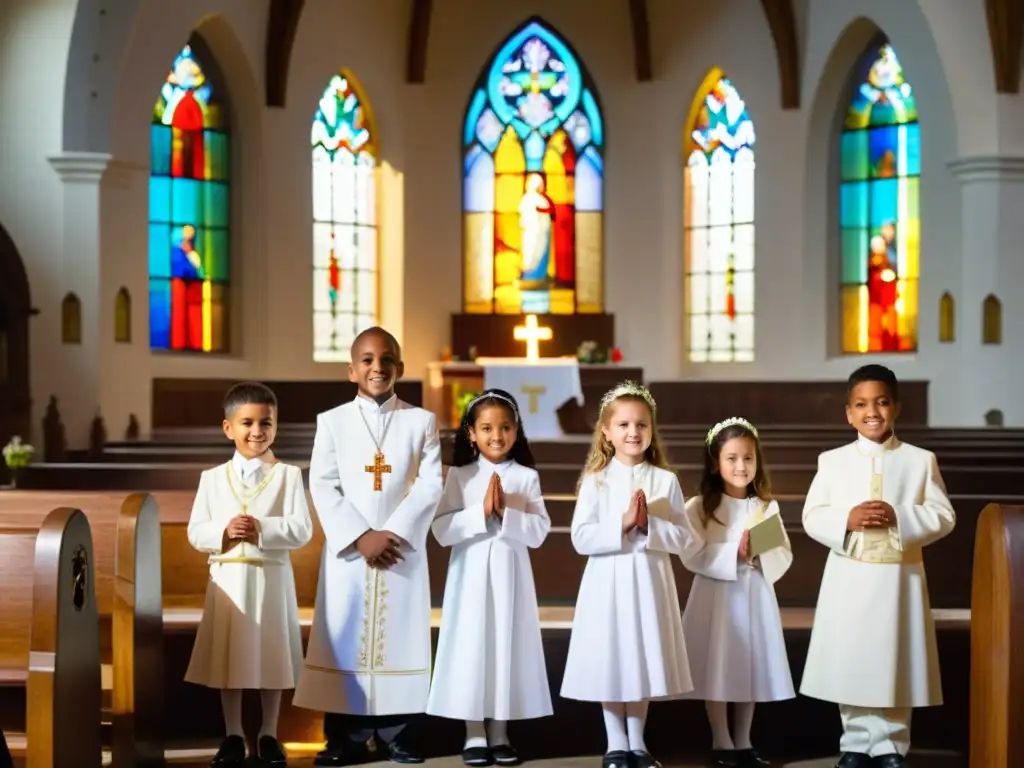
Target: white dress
[(490, 659), (627, 634), (732, 622), (249, 635), (369, 646), (881, 606)]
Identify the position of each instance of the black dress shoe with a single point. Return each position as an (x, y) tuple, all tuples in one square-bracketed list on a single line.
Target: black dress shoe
[(618, 758), (402, 754), (727, 758), (231, 752), (343, 752), (890, 761), (477, 756), (748, 758), (641, 758), (270, 752), (854, 760), (504, 754)]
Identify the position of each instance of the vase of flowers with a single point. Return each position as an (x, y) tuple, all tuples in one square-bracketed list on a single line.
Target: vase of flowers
[(17, 456)]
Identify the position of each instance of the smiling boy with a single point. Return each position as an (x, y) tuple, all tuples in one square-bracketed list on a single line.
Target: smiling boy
[(875, 503), (375, 478)]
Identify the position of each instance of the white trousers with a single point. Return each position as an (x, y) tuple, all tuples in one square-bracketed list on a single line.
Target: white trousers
[(875, 732)]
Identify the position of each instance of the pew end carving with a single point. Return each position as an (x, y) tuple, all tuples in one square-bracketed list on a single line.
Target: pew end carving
[(997, 639), (137, 627), (49, 638)]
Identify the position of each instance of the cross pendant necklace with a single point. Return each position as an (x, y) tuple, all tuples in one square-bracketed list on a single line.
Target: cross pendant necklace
[(379, 467), (242, 495)]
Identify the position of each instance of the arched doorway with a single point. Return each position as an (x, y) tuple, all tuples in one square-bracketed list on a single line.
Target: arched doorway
[(15, 309)]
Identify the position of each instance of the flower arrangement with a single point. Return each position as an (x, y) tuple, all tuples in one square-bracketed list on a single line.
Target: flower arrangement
[(17, 454), (591, 352), (462, 402)]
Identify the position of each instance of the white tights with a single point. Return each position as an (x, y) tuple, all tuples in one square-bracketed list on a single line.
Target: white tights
[(231, 703), (718, 716), (624, 723)]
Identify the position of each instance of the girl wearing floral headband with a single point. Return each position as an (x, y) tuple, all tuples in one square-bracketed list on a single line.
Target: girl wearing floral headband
[(732, 622), (627, 642)]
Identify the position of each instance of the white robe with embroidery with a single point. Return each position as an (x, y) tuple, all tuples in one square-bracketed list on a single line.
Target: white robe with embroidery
[(627, 634), (490, 660), (873, 642), (732, 622), (249, 635), (369, 648)]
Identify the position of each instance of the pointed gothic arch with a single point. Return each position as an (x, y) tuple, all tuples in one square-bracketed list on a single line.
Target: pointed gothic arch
[(718, 151), (346, 232), (879, 207), (533, 181), (15, 311)]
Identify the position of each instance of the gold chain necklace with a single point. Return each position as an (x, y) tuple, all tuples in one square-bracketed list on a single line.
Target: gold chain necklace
[(246, 497)]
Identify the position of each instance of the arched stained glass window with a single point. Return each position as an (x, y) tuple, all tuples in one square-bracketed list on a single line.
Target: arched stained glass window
[(719, 223), (533, 182), (345, 241), (879, 209), (189, 209)]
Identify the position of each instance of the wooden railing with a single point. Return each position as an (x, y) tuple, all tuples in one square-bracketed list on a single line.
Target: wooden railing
[(997, 639)]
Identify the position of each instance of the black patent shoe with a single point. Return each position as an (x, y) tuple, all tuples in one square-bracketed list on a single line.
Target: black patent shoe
[(402, 754), (270, 752), (748, 758), (725, 758), (890, 761), (616, 759), (477, 756), (641, 758), (344, 752), (854, 760), (504, 754), (231, 752)]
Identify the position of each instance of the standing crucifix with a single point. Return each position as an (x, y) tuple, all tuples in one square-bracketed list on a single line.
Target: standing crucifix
[(379, 469)]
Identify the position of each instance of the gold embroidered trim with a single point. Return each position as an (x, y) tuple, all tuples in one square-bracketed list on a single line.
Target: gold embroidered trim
[(367, 631), (372, 672), (380, 639), (249, 560)]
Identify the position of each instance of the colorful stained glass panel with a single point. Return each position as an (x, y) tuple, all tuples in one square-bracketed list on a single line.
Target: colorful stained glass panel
[(533, 174), (879, 212), (189, 211), (719, 223), (346, 261)]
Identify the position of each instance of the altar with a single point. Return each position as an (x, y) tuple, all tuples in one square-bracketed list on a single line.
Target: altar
[(541, 387)]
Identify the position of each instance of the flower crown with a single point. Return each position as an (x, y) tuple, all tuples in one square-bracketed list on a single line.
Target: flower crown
[(628, 389), (494, 396), (735, 421)]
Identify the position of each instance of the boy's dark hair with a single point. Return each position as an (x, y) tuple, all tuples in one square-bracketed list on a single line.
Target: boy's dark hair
[(874, 372), (712, 487), (466, 451), (248, 393)]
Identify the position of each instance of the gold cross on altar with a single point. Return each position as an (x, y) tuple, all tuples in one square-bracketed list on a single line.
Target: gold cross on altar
[(531, 333), (378, 468), (534, 392)]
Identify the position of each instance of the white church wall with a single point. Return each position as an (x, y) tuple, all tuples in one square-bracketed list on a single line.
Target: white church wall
[(944, 54)]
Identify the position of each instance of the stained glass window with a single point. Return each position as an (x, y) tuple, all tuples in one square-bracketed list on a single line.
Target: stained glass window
[(345, 255), (719, 224), (879, 210), (189, 211), (533, 182)]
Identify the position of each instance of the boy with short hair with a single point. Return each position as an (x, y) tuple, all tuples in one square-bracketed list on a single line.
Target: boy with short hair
[(875, 503), (375, 478), (248, 514)]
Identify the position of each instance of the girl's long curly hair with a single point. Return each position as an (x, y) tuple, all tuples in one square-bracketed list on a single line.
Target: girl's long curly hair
[(712, 487), (466, 452), (601, 449)]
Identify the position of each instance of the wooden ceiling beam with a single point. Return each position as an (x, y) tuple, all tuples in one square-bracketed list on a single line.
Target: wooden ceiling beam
[(282, 25), (1006, 37), (419, 35), (782, 23), (641, 26)]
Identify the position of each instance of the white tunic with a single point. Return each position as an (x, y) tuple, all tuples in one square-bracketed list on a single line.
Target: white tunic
[(369, 648), (490, 660), (873, 641), (732, 623), (627, 635), (249, 635)]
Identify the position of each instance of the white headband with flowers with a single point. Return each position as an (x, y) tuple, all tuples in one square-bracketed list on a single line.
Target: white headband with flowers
[(628, 389), (735, 421)]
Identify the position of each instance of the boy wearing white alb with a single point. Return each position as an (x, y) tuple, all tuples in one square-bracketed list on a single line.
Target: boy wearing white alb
[(875, 504)]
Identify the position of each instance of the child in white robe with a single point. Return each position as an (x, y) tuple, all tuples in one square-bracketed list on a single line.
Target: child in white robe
[(627, 645), (248, 515), (875, 504), (490, 660), (732, 623)]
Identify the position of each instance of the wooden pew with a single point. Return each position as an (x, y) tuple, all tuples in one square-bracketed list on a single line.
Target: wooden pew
[(128, 587), (997, 640), (49, 639)]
